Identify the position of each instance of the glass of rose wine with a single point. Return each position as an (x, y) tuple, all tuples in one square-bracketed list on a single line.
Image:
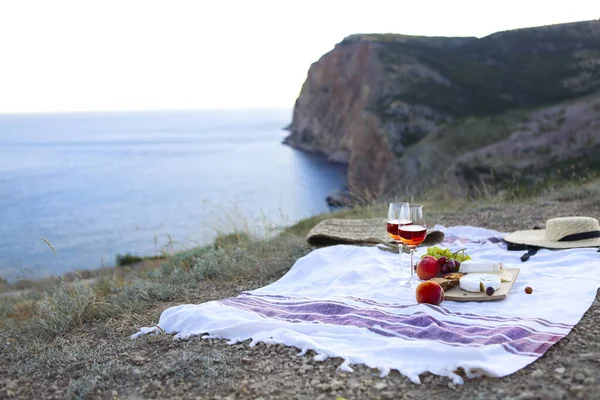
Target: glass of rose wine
[(398, 215), (413, 234)]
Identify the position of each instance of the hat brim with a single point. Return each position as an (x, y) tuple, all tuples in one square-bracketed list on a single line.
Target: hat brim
[(537, 238)]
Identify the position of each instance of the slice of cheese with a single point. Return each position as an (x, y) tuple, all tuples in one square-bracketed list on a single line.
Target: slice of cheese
[(469, 266), (479, 282), (507, 276)]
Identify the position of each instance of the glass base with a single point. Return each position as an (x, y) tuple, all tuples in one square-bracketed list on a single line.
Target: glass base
[(412, 281)]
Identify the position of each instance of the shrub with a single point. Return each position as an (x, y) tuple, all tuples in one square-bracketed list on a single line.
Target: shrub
[(231, 239), (127, 259), (67, 306)]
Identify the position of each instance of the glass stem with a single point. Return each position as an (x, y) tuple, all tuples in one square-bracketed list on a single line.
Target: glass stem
[(400, 251), (412, 270)]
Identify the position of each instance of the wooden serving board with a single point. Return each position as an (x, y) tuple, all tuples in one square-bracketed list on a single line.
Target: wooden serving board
[(457, 294)]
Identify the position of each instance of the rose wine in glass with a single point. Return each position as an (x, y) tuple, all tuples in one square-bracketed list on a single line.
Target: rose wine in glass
[(398, 215), (414, 234), (393, 226)]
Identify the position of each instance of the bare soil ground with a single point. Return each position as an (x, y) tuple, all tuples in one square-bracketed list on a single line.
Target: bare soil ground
[(99, 360)]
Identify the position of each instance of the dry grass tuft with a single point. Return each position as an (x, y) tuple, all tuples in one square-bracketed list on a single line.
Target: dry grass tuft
[(65, 305)]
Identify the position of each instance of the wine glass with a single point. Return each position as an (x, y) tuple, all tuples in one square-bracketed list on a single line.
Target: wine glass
[(413, 234), (398, 214)]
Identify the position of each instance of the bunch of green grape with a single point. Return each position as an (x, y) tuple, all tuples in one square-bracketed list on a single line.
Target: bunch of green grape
[(449, 261), (438, 252)]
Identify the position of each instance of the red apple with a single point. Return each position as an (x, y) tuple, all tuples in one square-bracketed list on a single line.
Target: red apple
[(429, 292), (427, 268)]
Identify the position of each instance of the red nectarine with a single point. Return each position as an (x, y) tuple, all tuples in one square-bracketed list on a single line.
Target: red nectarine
[(429, 292), (427, 268)]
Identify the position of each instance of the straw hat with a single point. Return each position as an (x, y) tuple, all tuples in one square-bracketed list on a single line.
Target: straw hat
[(561, 233)]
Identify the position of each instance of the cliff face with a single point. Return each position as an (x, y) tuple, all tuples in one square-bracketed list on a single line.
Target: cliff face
[(371, 100), (330, 116), (333, 114)]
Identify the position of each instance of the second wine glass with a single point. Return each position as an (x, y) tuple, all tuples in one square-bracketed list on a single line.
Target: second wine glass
[(413, 234)]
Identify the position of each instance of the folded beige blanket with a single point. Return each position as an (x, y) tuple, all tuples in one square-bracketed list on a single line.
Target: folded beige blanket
[(370, 231)]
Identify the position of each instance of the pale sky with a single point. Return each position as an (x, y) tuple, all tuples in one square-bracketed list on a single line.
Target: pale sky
[(140, 55)]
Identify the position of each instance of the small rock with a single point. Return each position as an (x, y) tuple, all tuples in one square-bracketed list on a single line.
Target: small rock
[(537, 374), (589, 381), (451, 385), (323, 387), (526, 395), (579, 377), (367, 382), (560, 370), (246, 360), (388, 394), (115, 393), (380, 385), (336, 384), (576, 389), (305, 368), (588, 372)]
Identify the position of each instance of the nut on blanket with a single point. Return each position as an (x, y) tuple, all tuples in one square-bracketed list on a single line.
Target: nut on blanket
[(371, 231)]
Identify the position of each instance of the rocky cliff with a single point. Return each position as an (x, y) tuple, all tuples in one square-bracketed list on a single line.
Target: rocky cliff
[(373, 100)]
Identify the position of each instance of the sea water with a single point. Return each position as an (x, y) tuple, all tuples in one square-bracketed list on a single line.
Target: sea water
[(95, 185)]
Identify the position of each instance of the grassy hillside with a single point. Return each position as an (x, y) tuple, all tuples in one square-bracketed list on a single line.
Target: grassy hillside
[(519, 68), (512, 152)]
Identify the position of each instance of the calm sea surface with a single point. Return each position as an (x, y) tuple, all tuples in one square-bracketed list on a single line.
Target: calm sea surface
[(99, 184)]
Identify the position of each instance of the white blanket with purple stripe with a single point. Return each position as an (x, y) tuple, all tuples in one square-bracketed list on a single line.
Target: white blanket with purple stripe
[(347, 301)]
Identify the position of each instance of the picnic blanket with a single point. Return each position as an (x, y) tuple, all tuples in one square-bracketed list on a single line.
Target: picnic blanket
[(370, 231), (346, 301)]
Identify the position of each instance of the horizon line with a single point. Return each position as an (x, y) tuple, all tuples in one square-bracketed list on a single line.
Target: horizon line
[(131, 110)]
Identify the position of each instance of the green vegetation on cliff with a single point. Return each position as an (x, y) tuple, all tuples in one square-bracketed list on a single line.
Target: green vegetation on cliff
[(520, 68)]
